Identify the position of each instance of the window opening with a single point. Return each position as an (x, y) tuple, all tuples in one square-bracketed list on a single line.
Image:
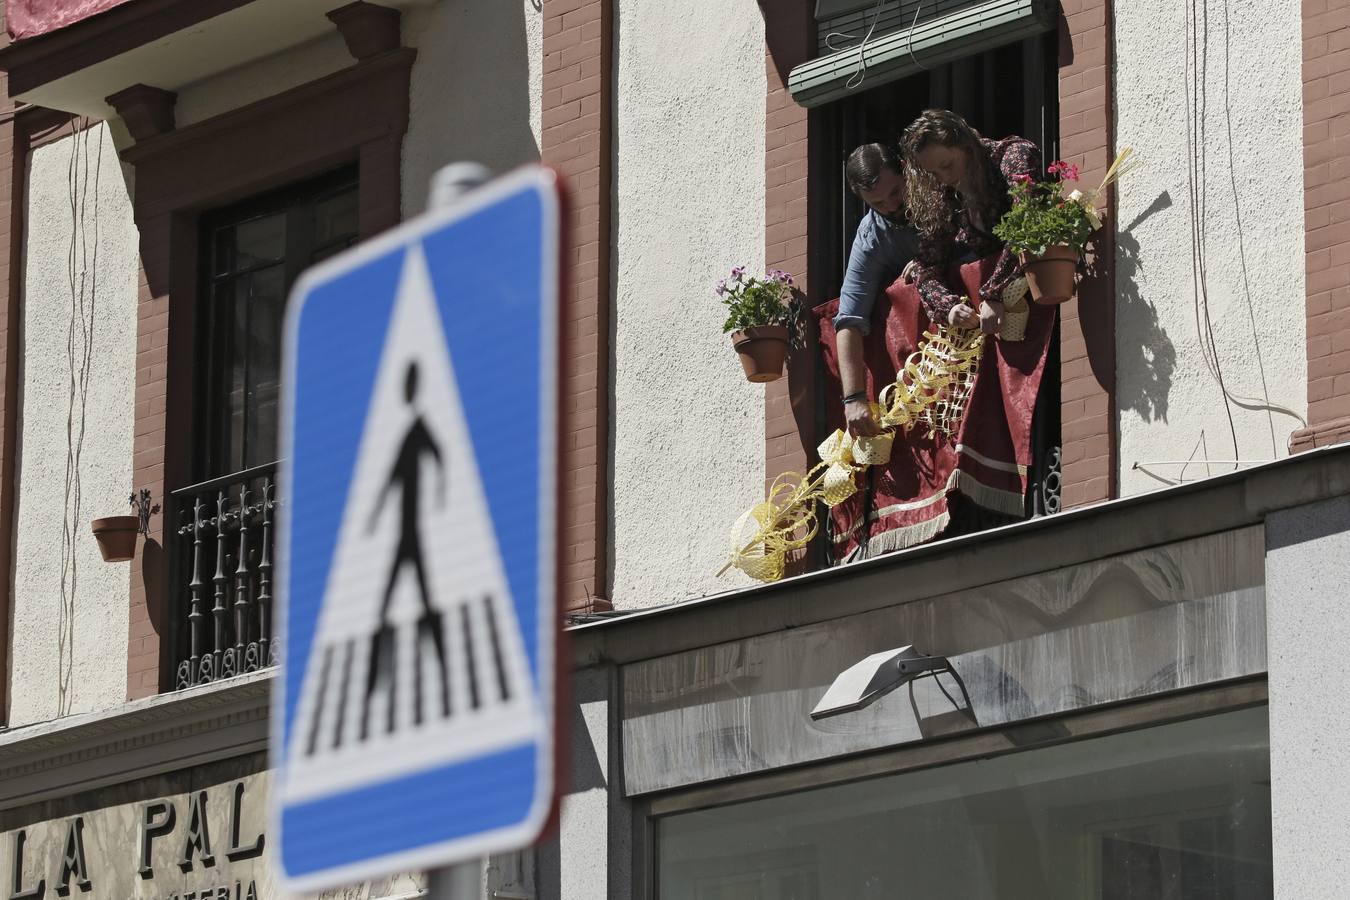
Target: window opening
[(1008, 90), (222, 562), (254, 252)]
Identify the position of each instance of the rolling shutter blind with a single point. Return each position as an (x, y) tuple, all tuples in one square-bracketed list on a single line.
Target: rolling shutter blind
[(946, 30)]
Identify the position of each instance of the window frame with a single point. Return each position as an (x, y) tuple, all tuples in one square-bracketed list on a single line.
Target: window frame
[(357, 115), (300, 252), (840, 125), (982, 744)]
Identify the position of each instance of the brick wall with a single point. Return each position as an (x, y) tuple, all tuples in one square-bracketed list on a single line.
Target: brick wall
[(577, 113), (1326, 205), (147, 654), (1087, 325), (789, 408)]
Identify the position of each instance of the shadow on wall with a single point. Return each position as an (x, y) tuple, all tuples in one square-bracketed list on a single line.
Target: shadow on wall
[(471, 90), (1146, 353)]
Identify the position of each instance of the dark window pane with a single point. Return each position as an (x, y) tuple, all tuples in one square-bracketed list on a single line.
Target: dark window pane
[(335, 218), (222, 251), (1172, 812), (266, 300), (237, 383), (254, 253), (260, 241), (331, 250)]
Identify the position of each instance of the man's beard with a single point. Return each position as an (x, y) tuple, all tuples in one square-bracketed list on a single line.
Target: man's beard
[(898, 218)]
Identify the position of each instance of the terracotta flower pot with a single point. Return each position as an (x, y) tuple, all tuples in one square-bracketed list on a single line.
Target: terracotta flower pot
[(1050, 275), (762, 349), (116, 536)]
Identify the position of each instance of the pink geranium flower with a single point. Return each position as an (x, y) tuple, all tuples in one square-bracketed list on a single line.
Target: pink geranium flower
[(1023, 179), (1065, 171)]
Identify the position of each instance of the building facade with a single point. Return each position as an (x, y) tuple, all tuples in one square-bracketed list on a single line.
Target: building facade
[(173, 166)]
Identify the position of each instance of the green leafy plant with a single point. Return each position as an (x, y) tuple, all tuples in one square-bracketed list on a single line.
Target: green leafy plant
[(754, 301), (1041, 216)]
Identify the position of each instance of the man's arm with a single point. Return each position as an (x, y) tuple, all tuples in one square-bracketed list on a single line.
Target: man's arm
[(853, 376), (875, 260)]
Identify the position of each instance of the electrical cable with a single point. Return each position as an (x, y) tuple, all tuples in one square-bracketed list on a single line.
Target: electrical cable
[(909, 38), (860, 73), (82, 281), (1197, 63), (1269, 407)]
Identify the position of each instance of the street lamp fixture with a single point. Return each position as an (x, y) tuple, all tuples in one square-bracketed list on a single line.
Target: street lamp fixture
[(867, 681)]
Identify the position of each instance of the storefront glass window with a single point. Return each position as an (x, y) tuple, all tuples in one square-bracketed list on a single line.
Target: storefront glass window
[(1174, 811)]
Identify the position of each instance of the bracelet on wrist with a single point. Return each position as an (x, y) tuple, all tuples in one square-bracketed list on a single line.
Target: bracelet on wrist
[(856, 395)]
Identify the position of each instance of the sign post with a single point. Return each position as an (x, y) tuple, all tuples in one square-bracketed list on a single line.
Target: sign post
[(414, 719)]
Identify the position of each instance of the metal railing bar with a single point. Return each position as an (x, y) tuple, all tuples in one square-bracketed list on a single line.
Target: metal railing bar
[(227, 480)]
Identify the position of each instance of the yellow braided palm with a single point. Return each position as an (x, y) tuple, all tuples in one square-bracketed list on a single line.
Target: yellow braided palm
[(930, 389)]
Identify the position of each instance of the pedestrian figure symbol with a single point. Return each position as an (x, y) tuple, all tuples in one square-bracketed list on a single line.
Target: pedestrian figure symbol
[(405, 478), (404, 660)]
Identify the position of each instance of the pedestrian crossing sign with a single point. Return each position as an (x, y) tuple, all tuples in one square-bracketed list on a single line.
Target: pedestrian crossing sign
[(413, 720)]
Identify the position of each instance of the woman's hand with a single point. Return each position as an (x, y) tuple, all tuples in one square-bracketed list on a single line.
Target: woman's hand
[(963, 316), (991, 316)]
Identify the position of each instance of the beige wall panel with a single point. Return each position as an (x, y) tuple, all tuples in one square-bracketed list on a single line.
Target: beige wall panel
[(1212, 223), (261, 78), (78, 384), (476, 89), (688, 429)]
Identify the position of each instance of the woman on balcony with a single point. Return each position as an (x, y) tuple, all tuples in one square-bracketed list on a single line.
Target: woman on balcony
[(957, 195)]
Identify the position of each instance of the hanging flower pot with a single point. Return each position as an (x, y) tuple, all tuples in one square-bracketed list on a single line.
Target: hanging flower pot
[(763, 349), (762, 319), (116, 536), (1050, 275)]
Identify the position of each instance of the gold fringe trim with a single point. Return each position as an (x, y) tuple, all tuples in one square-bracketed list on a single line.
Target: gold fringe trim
[(1000, 501), (903, 538)]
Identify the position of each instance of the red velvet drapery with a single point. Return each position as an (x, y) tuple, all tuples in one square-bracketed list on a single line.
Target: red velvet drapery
[(986, 461)]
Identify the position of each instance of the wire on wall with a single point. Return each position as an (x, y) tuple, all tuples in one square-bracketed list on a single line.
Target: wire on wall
[(1196, 96), (82, 282)]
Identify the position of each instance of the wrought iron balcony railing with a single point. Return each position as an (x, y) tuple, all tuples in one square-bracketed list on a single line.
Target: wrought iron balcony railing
[(225, 549)]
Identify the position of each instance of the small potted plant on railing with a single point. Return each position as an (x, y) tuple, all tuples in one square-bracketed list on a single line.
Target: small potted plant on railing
[(116, 535), (762, 317), (1049, 229)]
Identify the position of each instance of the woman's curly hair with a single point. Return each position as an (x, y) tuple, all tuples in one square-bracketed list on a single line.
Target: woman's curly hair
[(931, 207)]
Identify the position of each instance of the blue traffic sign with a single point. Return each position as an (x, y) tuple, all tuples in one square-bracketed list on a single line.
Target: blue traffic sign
[(413, 721)]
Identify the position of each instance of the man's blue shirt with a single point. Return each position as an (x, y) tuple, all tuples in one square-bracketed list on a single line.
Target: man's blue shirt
[(881, 250)]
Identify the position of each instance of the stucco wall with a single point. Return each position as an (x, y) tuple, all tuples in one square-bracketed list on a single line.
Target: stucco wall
[(476, 86), (589, 854), (69, 644), (1307, 566), (262, 78), (1216, 213), (476, 89), (688, 429)]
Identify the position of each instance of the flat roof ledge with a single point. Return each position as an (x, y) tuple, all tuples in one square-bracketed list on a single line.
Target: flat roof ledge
[(1222, 503)]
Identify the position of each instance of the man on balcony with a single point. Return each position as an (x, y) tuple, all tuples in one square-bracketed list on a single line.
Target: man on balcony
[(883, 247)]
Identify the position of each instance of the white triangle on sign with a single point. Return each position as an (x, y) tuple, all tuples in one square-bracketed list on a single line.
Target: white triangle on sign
[(452, 679)]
